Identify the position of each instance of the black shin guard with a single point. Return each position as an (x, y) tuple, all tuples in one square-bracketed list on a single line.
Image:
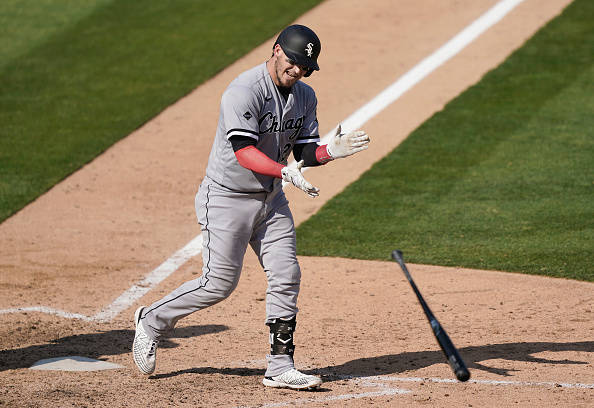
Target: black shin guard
[(281, 336)]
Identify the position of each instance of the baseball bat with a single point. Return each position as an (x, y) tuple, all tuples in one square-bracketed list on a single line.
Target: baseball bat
[(448, 348)]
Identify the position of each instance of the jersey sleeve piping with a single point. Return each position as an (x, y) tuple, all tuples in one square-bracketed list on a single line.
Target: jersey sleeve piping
[(307, 139), (303, 141), (242, 132)]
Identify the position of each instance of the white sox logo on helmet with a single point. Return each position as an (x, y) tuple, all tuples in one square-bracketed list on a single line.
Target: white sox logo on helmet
[(309, 49)]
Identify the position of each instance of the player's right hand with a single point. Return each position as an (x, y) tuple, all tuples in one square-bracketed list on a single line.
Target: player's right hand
[(295, 177)]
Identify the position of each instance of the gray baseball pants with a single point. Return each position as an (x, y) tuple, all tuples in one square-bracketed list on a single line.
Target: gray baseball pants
[(230, 221)]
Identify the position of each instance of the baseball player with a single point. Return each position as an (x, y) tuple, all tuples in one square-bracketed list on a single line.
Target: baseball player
[(265, 114)]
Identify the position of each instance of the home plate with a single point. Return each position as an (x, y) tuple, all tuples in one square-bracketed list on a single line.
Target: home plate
[(73, 363)]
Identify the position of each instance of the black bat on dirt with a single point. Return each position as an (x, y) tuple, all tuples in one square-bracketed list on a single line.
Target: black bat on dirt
[(450, 351)]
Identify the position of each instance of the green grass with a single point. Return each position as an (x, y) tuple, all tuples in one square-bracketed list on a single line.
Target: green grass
[(25, 24), (75, 77), (502, 178)]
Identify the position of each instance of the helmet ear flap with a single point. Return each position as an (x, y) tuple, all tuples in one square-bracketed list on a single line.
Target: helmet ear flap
[(308, 73)]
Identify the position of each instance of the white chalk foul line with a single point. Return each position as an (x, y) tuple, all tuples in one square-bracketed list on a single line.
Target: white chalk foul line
[(424, 68), (126, 299), (353, 122), (193, 248), (47, 310)]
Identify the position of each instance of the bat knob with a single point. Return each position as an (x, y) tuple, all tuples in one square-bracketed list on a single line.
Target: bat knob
[(397, 255), (462, 375)]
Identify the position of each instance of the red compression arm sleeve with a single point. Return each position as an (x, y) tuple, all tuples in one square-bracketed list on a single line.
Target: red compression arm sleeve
[(253, 159)]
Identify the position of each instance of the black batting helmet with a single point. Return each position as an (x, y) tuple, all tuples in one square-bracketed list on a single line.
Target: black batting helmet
[(302, 45)]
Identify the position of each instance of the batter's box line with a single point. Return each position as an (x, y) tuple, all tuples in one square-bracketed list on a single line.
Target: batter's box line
[(547, 384), (384, 391)]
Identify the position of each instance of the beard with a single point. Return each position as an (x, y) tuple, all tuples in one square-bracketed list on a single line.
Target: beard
[(284, 79)]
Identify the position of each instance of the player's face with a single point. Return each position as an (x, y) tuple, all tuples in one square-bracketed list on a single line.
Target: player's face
[(287, 72)]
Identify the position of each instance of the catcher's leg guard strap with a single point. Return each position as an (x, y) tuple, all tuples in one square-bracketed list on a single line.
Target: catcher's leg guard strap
[(281, 336)]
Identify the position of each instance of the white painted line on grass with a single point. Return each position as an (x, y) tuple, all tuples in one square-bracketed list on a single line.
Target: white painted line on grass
[(353, 122)]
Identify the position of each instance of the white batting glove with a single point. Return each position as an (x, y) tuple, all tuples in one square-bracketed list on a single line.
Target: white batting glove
[(343, 145), (295, 177)]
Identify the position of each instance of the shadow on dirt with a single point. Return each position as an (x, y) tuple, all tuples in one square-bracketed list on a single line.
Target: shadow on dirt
[(238, 371), (399, 363), (115, 342), (93, 345)]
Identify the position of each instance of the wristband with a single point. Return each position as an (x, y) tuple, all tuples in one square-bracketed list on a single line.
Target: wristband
[(322, 155)]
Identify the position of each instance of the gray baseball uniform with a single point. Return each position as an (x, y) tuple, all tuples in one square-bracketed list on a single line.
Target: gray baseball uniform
[(236, 206)]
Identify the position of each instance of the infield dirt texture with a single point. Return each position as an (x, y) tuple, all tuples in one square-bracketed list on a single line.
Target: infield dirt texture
[(68, 256)]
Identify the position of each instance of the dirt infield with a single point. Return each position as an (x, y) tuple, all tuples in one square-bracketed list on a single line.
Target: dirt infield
[(70, 260)]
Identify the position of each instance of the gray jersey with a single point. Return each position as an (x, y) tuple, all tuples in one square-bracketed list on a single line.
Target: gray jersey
[(252, 106)]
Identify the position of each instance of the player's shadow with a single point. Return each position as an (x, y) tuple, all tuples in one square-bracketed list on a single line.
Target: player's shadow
[(472, 356), (93, 345), (115, 342), (402, 362)]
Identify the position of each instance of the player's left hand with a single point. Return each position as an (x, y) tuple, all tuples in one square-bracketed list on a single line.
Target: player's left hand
[(343, 145)]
